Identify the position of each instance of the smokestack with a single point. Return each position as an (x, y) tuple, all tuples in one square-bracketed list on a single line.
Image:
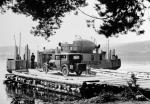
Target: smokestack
[(113, 52), (16, 53), (110, 54)]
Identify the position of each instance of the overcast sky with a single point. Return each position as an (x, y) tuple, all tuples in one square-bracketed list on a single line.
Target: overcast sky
[(12, 24)]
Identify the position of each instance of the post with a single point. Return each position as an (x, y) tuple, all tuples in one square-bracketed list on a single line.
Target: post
[(27, 58), (110, 55), (27, 53), (108, 48)]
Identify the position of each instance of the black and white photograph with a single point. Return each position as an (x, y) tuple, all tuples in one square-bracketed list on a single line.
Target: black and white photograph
[(74, 51)]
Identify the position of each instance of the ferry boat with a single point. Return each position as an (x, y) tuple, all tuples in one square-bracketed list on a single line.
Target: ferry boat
[(91, 54)]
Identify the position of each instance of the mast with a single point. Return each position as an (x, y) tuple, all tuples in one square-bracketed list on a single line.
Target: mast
[(20, 46), (15, 40), (16, 49)]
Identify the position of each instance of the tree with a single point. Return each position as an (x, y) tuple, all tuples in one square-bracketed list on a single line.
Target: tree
[(48, 13), (118, 16), (4, 2)]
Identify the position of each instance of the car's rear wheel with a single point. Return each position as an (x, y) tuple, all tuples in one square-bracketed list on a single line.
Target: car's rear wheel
[(65, 71)]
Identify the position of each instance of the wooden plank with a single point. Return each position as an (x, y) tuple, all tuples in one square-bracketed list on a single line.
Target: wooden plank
[(114, 78)]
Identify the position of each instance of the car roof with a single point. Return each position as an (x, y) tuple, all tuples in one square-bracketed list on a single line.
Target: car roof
[(68, 53)]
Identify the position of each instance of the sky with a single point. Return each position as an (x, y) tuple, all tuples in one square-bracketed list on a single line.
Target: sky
[(13, 24)]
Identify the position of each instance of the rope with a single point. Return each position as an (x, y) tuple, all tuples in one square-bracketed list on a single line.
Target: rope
[(138, 91), (143, 95), (90, 15)]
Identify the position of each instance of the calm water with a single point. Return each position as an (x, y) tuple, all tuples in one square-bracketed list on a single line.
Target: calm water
[(4, 99), (134, 66), (10, 93)]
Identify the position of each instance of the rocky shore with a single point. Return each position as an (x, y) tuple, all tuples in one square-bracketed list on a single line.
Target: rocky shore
[(97, 100)]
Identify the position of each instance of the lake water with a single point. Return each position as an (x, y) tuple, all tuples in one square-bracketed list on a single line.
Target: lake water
[(9, 93), (134, 66), (4, 99)]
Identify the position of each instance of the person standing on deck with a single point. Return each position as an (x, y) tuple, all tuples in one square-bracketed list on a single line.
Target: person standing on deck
[(48, 64), (32, 60)]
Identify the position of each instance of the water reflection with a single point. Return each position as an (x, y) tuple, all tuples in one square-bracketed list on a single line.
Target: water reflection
[(32, 95)]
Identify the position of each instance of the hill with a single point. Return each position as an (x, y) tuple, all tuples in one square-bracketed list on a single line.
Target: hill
[(134, 52), (6, 52), (130, 52)]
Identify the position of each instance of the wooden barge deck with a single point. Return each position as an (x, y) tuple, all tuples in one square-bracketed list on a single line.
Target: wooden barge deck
[(84, 85)]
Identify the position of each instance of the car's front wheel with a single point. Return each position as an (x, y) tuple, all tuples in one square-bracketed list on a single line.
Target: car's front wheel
[(65, 71)]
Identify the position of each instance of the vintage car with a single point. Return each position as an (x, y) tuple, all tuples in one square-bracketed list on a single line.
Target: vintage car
[(68, 62)]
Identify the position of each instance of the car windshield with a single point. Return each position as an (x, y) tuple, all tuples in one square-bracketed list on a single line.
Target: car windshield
[(75, 57), (57, 57)]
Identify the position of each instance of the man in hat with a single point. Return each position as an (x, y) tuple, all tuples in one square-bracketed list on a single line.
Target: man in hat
[(32, 60)]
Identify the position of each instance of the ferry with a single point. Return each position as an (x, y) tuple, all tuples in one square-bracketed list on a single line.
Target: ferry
[(92, 55), (66, 69)]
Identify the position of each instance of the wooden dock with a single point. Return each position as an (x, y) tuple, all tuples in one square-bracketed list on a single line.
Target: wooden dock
[(78, 85)]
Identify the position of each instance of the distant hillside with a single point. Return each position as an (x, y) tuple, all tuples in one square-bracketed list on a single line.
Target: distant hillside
[(6, 52), (138, 51), (132, 52)]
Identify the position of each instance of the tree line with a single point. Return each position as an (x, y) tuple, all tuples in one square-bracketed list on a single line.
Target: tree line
[(117, 16)]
